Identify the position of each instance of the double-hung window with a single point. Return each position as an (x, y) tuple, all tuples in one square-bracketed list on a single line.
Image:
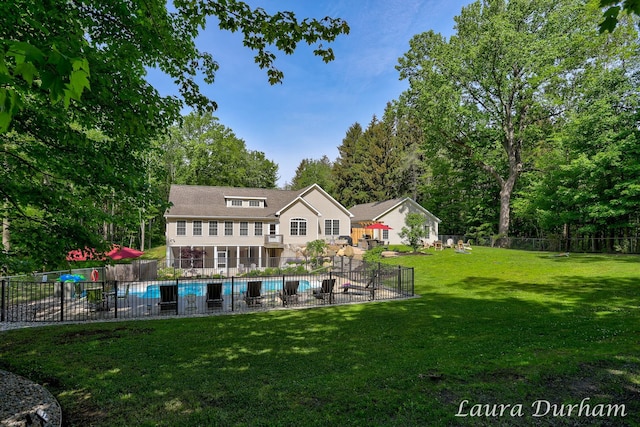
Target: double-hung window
[(331, 227), (228, 228), (257, 229), (197, 228), (298, 227), (213, 228), (181, 228), (244, 228)]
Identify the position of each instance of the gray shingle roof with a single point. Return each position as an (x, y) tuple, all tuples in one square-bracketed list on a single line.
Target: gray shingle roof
[(371, 211), (195, 201)]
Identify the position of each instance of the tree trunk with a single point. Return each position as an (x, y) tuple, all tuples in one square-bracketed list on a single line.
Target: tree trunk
[(142, 236), (506, 189), (6, 236)]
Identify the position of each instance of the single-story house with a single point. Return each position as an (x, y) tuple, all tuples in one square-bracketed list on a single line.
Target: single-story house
[(391, 213), (222, 228)]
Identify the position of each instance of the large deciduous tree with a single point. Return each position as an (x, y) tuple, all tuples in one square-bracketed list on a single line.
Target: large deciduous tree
[(77, 115), (202, 151), (508, 71), (312, 171)]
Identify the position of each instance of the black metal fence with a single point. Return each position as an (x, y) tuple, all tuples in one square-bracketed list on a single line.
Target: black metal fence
[(586, 244), (346, 281)]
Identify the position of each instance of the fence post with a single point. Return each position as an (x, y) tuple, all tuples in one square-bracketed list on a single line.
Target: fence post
[(399, 279), (115, 299), (62, 295), (284, 296), (177, 295), (2, 303), (412, 281), (331, 290), (232, 293)]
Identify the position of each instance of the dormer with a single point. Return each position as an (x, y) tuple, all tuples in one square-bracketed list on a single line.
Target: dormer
[(245, 202)]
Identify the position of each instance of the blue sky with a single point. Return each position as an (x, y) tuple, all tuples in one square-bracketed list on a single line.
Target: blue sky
[(308, 115)]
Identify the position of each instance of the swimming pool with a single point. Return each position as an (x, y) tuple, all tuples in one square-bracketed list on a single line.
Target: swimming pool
[(200, 289)]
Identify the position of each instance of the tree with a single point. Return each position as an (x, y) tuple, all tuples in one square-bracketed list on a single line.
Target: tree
[(414, 231), (347, 169), (612, 13), (590, 174), (205, 152), (315, 249), (485, 93), (77, 116), (370, 166), (312, 171)]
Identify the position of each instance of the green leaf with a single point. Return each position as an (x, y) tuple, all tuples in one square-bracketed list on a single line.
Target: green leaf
[(26, 70)]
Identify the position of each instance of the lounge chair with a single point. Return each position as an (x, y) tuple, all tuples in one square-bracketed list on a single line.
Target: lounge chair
[(371, 286), (214, 295), (326, 290), (168, 298), (289, 294), (253, 297)]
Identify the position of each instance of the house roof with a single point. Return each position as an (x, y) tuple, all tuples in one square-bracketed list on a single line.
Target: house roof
[(198, 201), (375, 210)]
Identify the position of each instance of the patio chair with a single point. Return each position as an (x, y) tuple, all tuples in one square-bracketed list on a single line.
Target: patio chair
[(437, 245), (253, 296), (214, 295), (95, 299), (123, 296), (78, 290), (326, 290), (168, 298), (289, 294)]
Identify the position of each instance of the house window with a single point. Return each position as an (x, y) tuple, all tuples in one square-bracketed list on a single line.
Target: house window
[(385, 234), (427, 231), (257, 229), (228, 228), (244, 228), (181, 228), (254, 203), (213, 228), (197, 228), (331, 227), (298, 227), (236, 203)]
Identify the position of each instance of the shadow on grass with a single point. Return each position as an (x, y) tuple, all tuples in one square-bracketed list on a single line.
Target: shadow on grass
[(395, 363), (592, 258)]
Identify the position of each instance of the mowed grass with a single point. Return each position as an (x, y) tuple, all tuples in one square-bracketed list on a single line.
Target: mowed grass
[(495, 327)]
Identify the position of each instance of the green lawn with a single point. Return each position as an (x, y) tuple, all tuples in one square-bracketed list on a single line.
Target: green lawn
[(492, 327)]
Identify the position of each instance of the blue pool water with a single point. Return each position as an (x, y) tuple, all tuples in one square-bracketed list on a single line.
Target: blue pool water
[(200, 289)]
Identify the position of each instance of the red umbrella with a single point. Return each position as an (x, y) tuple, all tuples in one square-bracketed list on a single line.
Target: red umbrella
[(378, 226), (123, 252), (118, 252)]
